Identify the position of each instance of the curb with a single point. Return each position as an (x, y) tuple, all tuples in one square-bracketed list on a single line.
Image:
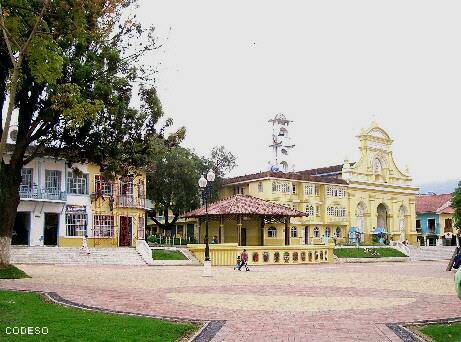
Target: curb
[(407, 332)]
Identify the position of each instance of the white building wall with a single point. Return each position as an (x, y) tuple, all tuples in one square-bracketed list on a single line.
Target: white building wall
[(38, 207)]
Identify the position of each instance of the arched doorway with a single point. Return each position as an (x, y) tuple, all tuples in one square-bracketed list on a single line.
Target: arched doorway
[(382, 217), (402, 222)]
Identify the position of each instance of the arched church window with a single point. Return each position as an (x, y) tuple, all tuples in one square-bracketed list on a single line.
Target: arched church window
[(338, 232), (327, 231), (316, 232)]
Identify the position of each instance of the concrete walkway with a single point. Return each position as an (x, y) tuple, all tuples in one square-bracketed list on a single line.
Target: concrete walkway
[(340, 302)]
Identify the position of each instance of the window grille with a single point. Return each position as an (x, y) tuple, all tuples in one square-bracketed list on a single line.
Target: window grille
[(53, 182), (102, 185), (77, 184), (26, 180), (76, 224), (103, 225)]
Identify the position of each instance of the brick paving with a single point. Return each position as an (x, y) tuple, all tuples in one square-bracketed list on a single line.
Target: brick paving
[(341, 302)]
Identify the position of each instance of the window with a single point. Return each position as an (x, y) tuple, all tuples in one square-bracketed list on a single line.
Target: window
[(316, 232), (141, 228), (260, 187), (103, 225), (281, 187), (308, 189), (448, 225), (317, 190), (126, 191), (418, 224), (294, 232), (294, 188), (102, 185), (238, 190), (309, 210), (53, 181), (327, 232), (317, 210), (333, 191), (76, 224), (431, 226), (338, 232), (77, 184), (272, 232), (336, 211), (26, 180)]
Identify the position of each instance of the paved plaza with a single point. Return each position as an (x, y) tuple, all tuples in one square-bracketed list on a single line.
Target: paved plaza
[(340, 302)]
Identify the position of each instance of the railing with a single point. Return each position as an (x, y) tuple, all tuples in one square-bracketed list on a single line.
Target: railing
[(39, 194), (225, 254), (334, 219), (131, 202), (144, 251)]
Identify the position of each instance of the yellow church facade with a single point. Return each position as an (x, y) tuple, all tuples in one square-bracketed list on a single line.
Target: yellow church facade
[(371, 199)]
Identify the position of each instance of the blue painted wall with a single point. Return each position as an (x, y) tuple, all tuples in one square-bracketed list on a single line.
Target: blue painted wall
[(424, 217)]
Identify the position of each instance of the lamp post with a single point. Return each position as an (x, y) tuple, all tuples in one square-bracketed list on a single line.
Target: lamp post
[(205, 185)]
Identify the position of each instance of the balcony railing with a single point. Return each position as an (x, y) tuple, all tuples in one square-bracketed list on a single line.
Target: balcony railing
[(41, 194), (334, 219), (131, 202)]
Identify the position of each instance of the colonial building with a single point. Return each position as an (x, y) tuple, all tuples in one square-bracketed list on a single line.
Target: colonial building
[(58, 206), (371, 199), (434, 220)]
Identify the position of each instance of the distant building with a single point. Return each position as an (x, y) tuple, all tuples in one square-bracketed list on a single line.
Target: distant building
[(434, 220), (58, 207), (372, 199)]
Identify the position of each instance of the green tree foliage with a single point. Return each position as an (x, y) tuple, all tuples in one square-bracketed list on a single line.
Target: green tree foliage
[(74, 91), (456, 205), (173, 184)]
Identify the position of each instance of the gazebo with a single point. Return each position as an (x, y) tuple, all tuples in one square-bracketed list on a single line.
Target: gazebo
[(258, 225)]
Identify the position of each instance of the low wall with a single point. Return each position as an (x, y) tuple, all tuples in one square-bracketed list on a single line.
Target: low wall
[(225, 254)]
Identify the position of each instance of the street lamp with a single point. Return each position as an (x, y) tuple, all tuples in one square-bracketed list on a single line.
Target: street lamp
[(205, 185)]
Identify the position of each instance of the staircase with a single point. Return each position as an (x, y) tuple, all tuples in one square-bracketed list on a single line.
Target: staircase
[(74, 256), (431, 252)]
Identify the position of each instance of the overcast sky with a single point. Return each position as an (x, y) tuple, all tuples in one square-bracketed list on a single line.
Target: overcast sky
[(228, 67)]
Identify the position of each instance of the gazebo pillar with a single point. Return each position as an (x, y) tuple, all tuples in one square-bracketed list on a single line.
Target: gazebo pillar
[(221, 229), (199, 224), (261, 232), (239, 229), (287, 231)]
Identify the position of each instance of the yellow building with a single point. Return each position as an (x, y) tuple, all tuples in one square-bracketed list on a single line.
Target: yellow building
[(369, 198)]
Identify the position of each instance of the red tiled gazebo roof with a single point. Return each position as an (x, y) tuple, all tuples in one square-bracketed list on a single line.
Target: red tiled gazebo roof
[(247, 206)]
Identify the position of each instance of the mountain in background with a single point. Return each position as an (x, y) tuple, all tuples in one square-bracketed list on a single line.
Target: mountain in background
[(444, 187)]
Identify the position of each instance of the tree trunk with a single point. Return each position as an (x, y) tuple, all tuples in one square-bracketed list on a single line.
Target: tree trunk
[(9, 201)]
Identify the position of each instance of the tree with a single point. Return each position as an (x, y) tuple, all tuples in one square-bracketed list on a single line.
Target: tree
[(456, 205), (74, 90), (173, 185)]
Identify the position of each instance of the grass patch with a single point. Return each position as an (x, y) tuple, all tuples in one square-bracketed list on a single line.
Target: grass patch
[(165, 254), (68, 324), (367, 252), (12, 272), (443, 332)]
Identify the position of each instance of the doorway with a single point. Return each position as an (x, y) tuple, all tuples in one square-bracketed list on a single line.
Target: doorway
[(50, 230), (125, 231), (21, 229), (306, 235), (243, 237)]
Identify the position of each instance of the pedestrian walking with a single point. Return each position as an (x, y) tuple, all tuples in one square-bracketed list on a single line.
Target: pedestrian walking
[(85, 245), (244, 260)]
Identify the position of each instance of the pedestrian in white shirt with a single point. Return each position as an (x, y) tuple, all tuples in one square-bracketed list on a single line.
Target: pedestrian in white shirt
[(85, 245)]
